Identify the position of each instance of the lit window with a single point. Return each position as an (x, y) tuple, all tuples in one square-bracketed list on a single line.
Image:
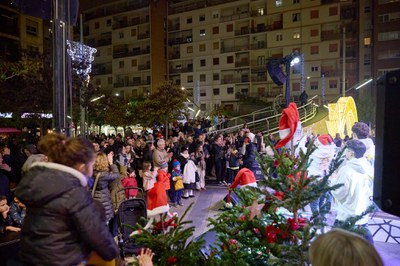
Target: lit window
[(367, 41), (203, 32), (278, 3), (296, 35), (260, 11)]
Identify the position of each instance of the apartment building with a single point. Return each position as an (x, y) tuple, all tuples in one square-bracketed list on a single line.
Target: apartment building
[(386, 36), (218, 49), (130, 40), (19, 32)]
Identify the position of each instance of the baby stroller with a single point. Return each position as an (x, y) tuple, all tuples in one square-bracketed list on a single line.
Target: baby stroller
[(130, 211)]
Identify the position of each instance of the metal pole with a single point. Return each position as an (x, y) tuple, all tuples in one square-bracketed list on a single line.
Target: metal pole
[(287, 92), (59, 77), (81, 90), (344, 63)]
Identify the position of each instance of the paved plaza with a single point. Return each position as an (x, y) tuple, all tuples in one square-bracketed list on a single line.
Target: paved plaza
[(384, 227)]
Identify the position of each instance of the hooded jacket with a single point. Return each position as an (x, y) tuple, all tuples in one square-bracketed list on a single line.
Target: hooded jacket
[(353, 198), (62, 224)]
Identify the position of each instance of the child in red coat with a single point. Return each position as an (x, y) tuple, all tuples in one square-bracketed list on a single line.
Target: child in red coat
[(130, 181)]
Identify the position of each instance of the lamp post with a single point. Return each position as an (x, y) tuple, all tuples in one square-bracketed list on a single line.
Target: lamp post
[(192, 101)]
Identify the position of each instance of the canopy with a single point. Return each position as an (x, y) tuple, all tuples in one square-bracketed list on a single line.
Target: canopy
[(9, 130)]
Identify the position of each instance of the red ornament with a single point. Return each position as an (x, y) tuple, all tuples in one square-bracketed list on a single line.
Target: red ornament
[(277, 163), (232, 242), (172, 260), (279, 195)]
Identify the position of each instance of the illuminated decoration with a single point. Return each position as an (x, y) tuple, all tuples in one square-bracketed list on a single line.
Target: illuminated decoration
[(278, 76), (342, 116), (82, 57)]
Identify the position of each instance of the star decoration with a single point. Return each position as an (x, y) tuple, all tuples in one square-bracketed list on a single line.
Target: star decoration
[(255, 209)]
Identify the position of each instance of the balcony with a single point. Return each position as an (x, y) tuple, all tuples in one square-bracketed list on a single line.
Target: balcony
[(259, 28), (128, 23), (113, 9), (259, 45), (175, 55), (183, 40), (329, 35), (180, 70), (234, 49), (144, 36), (134, 52), (144, 67), (244, 14), (174, 27), (243, 63), (243, 31), (235, 80), (131, 83)]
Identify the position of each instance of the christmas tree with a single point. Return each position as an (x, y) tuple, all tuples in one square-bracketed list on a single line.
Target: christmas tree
[(267, 228), (171, 240)]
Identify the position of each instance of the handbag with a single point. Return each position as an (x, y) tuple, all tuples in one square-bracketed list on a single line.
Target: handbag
[(178, 184)]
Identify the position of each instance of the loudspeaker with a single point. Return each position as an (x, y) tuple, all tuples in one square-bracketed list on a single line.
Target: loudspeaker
[(276, 73), (387, 177), (234, 198)]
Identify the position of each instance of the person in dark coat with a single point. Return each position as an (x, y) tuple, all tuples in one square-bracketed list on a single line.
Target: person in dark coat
[(63, 224), (249, 158), (107, 172)]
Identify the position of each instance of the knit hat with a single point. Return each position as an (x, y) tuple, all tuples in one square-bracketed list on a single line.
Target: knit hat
[(357, 146), (288, 124), (324, 145), (250, 136), (176, 163), (157, 201)]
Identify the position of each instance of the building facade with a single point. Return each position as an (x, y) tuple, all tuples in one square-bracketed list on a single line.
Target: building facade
[(218, 50)]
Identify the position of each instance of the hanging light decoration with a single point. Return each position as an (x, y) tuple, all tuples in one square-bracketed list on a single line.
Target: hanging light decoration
[(81, 56)]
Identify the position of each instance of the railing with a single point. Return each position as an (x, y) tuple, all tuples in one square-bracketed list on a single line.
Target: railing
[(267, 124)]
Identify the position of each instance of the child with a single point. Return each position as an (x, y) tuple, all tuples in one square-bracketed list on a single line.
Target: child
[(5, 220), (149, 177), (233, 166), (177, 181), (130, 181)]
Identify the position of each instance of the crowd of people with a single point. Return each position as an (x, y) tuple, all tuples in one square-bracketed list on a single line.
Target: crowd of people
[(168, 169)]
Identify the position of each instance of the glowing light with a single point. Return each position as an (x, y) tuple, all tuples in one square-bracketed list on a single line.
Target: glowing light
[(82, 57), (198, 112), (295, 60), (363, 84)]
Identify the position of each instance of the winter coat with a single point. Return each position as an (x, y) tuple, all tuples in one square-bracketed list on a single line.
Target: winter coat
[(63, 223), (164, 178), (353, 198), (189, 175), (249, 158), (102, 193)]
